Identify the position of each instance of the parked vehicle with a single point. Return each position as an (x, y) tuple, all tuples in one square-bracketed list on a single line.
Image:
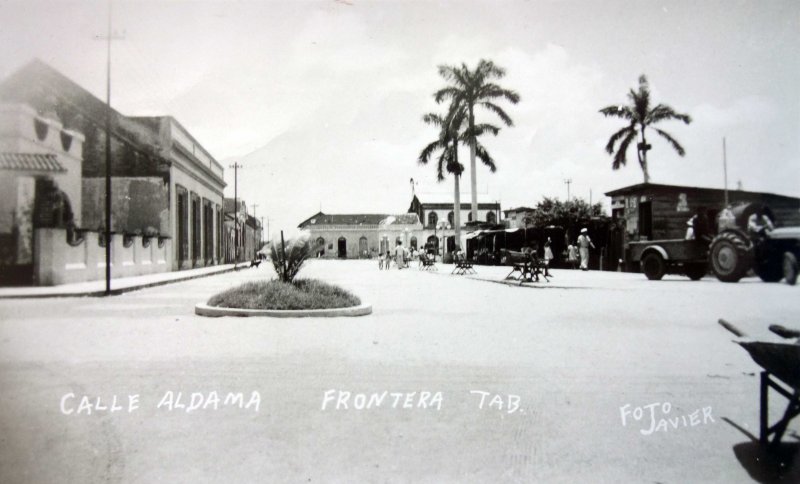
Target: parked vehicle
[(734, 251)]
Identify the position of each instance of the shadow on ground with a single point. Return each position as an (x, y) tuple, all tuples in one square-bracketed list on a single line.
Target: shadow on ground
[(768, 464)]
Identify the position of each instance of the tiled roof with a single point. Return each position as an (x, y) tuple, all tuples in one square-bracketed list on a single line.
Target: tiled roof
[(360, 219), (30, 161)]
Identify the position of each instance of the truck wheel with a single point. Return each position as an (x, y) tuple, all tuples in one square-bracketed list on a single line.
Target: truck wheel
[(790, 268), (770, 270), (730, 255), (653, 266), (695, 272)]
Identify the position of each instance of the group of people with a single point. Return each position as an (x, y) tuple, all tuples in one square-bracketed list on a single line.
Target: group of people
[(400, 256), (579, 252)]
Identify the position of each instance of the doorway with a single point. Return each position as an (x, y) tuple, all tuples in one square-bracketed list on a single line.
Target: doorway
[(342, 248)]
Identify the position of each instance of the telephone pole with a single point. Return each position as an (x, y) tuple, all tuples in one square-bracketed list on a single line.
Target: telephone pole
[(107, 233), (235, 167), (255, 223), (568, 182)]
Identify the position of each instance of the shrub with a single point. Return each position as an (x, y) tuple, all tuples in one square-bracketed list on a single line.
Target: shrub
[(275, 294), (288, 263)]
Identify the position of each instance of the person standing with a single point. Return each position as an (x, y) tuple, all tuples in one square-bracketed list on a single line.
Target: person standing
[(572, 256), (548, 256), (399, 255), (584, 242)]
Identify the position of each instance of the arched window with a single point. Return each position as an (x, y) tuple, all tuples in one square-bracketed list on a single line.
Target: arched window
[(320, 242), (432, 219), (490, 217), (451, 219)]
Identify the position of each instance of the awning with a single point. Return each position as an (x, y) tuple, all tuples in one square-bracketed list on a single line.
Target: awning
[(30, 162)]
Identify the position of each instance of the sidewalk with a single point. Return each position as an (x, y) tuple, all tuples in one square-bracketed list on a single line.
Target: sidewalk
[(118, 285)]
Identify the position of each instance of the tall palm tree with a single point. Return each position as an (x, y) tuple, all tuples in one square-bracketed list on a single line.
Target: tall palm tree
[(469, 89), (640, 116), (450, 134)]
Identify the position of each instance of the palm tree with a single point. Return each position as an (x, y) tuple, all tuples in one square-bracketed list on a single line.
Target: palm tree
[(640, 116), (470, 89), (447, 143)]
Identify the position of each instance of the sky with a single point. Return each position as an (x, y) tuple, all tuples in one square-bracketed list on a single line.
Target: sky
[(322, 102)]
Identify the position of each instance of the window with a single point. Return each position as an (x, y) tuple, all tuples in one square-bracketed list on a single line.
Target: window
[(490, 217), (432, 219), (451, 219)]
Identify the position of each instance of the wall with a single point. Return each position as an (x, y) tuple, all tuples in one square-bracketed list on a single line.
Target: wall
[(58, 262), (352, 235), (138, 203)]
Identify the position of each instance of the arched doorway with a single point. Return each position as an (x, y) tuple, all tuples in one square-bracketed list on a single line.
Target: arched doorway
[(490, 217), (413, 242), (320, 250), (363, 250), (432, 244), (384, 245), (342, 248)]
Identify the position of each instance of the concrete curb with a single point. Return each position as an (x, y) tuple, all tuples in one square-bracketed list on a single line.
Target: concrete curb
[(203, 309), (114, 292)]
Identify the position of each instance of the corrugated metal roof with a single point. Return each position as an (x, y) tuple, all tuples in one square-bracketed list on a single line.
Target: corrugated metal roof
[(30, 161)]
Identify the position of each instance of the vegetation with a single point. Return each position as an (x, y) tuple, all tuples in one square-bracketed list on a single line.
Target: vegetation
[(640, 116), (275, 294), (447, 143), (552, 211), (287, 263), (470, 89)]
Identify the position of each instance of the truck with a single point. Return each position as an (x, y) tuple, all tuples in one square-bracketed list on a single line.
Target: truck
[(730, 254)]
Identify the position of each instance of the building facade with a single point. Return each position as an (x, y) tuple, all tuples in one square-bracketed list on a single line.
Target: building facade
[(354, 236), (165, 186)]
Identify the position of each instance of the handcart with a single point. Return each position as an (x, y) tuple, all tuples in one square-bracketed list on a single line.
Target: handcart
[(781, 362)]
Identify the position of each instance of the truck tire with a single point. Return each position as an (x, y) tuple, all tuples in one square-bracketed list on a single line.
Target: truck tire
[(730, 255), (653, 266), (695, 272), (770, 270), (790, 268)]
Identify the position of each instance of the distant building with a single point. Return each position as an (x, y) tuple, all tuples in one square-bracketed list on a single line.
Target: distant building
[(515, 217), (354, 236), (436, 211), (245, 236), (165, 186)]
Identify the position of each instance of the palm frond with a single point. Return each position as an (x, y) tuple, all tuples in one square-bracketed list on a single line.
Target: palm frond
[(617, 136), (663, 112), (449, 92), (493, 91), (485, 157), (498, 111), (617, 111), (672, 141), (620, 159), (481, 129)]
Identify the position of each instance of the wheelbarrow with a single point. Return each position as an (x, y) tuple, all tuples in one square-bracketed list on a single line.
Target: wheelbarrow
[(781, 362)]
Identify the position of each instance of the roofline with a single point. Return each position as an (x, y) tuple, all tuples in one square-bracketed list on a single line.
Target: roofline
[(632, 188)]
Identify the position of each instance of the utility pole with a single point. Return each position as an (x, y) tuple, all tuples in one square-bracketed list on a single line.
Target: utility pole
[(725, 169), (235, 167), (255, 223), (109, 37), (261, 234), (568, 182)]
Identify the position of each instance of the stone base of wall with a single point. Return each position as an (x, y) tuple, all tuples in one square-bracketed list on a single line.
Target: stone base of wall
[(56, 261)]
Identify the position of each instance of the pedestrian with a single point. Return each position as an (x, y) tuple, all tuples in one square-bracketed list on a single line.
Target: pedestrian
[(572, 256), (584, 242), (388, 260), (399, 255), (381, 258), (548, 256)]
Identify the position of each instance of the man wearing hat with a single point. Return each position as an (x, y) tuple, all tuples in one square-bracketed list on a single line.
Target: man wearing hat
[(584, 242)]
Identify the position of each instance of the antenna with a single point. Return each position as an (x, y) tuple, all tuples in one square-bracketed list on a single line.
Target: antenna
[(568, 182), (725, 169)]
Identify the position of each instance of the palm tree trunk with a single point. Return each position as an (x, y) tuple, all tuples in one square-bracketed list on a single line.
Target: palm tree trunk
[(473, 180), (457, 202), (642, 152)]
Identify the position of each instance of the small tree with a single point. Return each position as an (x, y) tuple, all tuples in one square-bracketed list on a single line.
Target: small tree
[(288, 258)]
